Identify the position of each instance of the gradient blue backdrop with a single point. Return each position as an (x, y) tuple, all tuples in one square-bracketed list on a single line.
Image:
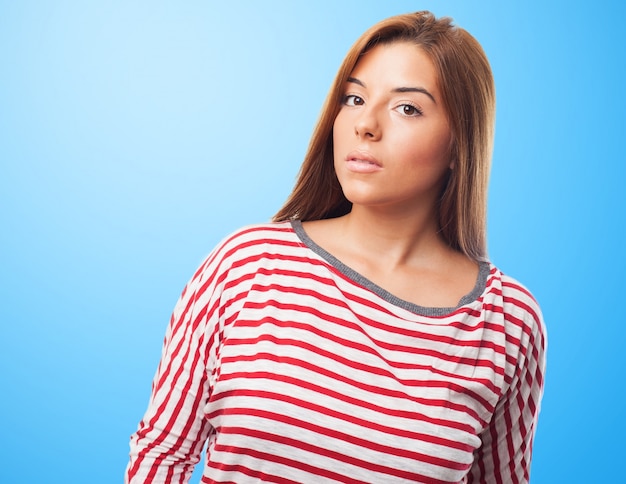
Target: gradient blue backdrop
[(135, 134)]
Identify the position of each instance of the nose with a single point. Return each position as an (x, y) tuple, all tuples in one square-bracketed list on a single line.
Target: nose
[(367, 124)]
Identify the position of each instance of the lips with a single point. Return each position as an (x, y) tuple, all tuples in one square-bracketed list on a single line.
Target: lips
[(362, 157), (362, 162)]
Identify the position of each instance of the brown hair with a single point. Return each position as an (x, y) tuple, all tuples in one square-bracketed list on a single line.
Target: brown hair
[(468, 94)]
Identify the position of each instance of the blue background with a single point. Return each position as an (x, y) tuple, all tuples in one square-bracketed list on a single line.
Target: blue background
[(134, 135)]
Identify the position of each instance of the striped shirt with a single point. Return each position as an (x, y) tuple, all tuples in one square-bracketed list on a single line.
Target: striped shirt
[(292, 368)]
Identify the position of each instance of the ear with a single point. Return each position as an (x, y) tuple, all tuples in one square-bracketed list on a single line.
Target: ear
[(452, 165)]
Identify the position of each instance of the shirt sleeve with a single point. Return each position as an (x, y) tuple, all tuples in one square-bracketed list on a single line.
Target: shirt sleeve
[(170, 438), (506, 450)]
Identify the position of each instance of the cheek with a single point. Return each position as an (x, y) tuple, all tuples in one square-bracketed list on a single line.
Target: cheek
[(432, 154), (339, 135), (439, 147), (336, 149), (338, 128)]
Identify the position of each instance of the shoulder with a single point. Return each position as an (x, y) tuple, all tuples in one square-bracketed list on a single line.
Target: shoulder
[(259, 233), (522, 314), (256, 235), (520, 302), (517, 298), (250, 241), (239, 249)]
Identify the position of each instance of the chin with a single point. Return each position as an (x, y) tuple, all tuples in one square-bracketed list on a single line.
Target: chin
[(365, 200)]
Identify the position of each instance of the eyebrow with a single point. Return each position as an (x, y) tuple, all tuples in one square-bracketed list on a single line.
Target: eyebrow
[(397, 89)]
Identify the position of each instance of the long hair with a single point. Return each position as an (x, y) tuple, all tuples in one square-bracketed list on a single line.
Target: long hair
[(468, 95)]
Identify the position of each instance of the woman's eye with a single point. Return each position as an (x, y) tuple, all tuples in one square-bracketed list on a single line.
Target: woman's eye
[(352, 100), (409, 110)]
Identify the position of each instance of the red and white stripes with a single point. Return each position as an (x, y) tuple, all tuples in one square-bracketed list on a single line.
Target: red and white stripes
[(295, 369)]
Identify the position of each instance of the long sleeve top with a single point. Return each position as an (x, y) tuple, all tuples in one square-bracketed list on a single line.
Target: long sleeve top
[(292, 368)]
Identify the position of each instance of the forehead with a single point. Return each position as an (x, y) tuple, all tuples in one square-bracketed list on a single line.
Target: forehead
[(396, 62)]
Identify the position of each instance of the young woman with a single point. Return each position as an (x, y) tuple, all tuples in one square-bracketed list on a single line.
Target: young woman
[(362, 336)]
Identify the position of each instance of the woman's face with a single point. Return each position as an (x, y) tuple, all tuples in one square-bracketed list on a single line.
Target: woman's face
[(391, 136)]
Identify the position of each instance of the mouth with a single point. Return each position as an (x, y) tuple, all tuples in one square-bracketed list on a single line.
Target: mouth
[(362, 157), (362, 162)]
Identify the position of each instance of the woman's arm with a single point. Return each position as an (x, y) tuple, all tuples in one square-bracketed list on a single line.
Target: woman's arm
[(506, 450), (172, 433)]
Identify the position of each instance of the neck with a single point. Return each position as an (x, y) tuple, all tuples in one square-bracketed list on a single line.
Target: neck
[(397, 238)]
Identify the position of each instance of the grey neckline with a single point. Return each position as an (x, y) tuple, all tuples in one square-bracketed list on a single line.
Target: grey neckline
[(479, 287)]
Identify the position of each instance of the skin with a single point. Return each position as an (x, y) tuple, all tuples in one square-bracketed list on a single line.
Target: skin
[(391, 153)]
